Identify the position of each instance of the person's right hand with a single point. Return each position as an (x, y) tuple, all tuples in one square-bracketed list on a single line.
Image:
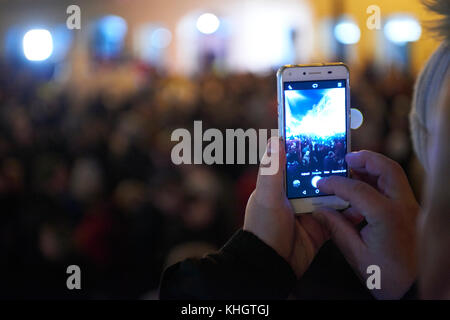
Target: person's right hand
[(382, 195)]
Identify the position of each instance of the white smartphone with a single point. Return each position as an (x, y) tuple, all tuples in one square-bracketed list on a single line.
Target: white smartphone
[(314, 120)]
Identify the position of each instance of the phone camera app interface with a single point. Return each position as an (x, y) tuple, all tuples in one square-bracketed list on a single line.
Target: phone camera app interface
[(315, 131)]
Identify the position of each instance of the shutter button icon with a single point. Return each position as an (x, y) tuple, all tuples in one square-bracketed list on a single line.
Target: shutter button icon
[(314, 181)]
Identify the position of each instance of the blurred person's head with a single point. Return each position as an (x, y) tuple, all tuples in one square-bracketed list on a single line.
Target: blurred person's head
[(50, 174), (430, 84), (21, 126), (202, 189), (201, 181), (199, 214), (430, 133), (86, 181), (11, 175), (165, 191), (130, 195), (54, 241), (434, 223)]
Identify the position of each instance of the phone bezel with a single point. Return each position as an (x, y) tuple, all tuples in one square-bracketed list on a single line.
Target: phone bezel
[(314, 72)]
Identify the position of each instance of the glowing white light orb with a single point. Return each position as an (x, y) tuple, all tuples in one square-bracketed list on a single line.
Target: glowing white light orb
[(208, 23), (38, 45), (314, 181), (402, 28), (161, 38), (357, 118), (347, 32)]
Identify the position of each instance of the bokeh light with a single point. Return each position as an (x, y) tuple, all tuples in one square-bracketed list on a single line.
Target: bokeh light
[(208, 23), (402, 28), (347, 32), (110, 34), (161, 38), (357, 118), (113, 27), (38, 45)]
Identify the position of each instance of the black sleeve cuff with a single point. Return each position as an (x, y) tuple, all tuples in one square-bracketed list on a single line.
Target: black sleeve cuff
[(262, 260), (245, 268)]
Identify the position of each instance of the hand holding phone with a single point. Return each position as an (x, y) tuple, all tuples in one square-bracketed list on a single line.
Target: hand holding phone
[(270, 217), (382, 195)]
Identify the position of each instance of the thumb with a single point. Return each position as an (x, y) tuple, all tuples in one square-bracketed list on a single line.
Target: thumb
[(269, 186), (344, 234)]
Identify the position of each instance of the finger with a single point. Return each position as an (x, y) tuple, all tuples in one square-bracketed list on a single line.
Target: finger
[(362, 175), (343, 234), (392, 180), (269, 185), (364, 198), (316, 231), (353, 215)]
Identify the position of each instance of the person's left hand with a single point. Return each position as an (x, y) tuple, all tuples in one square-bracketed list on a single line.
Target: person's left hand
[(270, 217), (382, 195)]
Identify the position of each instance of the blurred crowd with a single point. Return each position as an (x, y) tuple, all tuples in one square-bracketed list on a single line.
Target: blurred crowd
[(86, 176), (308, 153)]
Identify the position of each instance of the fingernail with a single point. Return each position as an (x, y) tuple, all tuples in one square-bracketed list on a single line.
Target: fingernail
[(351, 154)]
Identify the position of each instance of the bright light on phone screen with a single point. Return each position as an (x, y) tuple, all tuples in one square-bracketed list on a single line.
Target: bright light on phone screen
[(315, 130)]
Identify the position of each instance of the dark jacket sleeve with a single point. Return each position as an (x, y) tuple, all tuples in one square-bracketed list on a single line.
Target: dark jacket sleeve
[(245, 268)]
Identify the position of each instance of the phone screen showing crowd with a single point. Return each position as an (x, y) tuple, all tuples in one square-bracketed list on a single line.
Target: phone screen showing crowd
[(315, 134)]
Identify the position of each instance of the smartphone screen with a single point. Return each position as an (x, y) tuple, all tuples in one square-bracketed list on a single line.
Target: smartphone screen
[(315, 125)]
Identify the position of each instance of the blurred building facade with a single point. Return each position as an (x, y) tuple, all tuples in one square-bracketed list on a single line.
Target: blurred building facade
[(253, 36)]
